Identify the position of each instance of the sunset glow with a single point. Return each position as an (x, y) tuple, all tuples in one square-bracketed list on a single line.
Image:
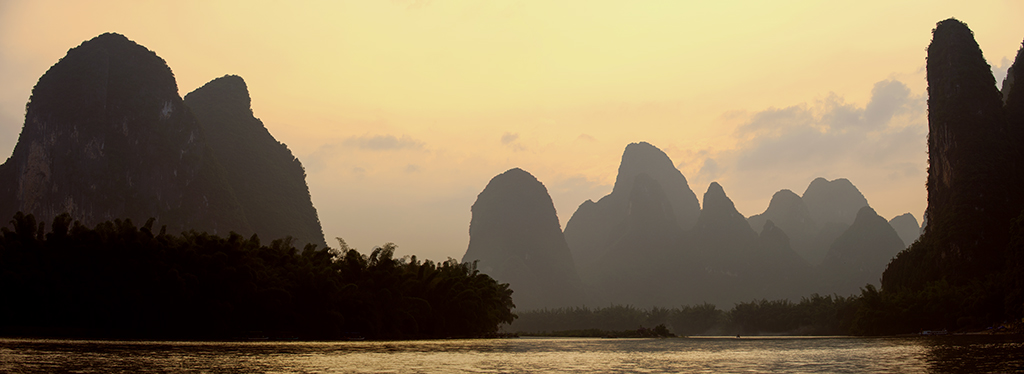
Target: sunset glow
[(401, 111)]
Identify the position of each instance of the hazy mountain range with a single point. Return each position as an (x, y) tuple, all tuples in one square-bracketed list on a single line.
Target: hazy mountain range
[(106, 136), (649, 242)]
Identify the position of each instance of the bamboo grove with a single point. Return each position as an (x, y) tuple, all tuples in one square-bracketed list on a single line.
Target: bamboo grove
[(121, 281)]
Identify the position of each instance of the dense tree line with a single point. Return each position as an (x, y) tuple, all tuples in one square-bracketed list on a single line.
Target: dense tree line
[(814, 315), (119, 280)]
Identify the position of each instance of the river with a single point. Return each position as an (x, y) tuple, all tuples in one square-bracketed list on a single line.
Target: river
[(939, 354)]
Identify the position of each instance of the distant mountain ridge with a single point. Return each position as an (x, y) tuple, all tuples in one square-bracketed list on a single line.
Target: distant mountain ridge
[(632, 247)]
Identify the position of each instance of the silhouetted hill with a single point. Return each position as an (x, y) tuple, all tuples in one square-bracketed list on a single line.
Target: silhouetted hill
[(833, 206), (788, 212), (646, 265), (970, 168), (722, 235), (740, 264), (907, 228), (860, 254), (833, 201), (965, 271), (594, 227), (516, 237), (266, 178), (106, 136), (778, 272), (644, 158)]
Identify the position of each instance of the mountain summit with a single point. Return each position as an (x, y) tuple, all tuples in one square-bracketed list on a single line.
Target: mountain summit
[(595, 227), (106, 136), (516, 238), (264, 175)]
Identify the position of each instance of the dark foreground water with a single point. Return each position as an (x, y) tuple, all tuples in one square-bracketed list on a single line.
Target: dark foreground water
[(946, 354)]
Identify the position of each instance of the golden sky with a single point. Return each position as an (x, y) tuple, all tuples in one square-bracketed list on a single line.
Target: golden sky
[(402, 111)]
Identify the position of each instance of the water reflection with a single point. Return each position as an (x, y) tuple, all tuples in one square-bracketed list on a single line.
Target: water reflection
[(975, 354), (780, 354)]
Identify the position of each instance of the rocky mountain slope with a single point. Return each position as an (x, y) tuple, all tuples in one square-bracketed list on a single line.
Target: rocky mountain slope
[(266, 178), (106, 137), (515, 237)]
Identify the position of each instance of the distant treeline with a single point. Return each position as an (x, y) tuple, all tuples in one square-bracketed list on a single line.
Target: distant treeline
[(121, 281), (814, 315)]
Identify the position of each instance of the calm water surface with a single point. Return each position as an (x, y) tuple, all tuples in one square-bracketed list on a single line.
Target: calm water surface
[(967, 354)]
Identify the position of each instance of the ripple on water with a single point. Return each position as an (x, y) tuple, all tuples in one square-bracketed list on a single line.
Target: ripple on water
[(949, 354)]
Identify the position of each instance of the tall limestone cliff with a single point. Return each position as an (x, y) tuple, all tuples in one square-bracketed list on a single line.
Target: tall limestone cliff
[(515, 236), (971, 197), (1014, 106), (1013, 96), (266, 178), (595, 227), (106, 136)]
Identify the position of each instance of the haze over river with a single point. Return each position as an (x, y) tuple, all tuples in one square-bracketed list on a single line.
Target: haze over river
[(941, 354)]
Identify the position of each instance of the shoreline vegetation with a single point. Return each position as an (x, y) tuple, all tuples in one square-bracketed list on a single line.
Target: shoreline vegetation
[(814, 316), (119, 281)]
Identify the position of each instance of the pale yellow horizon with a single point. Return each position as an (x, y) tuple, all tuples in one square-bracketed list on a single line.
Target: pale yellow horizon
[(402, 111)]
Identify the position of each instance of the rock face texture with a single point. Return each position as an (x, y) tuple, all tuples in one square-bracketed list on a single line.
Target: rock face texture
[(106, 136), (907, 228), (268, 181), (595, 227), (974, 168), (516, 238)]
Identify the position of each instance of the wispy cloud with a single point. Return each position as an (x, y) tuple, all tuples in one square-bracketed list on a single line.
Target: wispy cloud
[(383, 142), (891, 127), (509, 138), (329, 152), (512, 140)]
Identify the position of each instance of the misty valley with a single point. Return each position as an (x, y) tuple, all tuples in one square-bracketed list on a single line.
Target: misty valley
[(138, 214)]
